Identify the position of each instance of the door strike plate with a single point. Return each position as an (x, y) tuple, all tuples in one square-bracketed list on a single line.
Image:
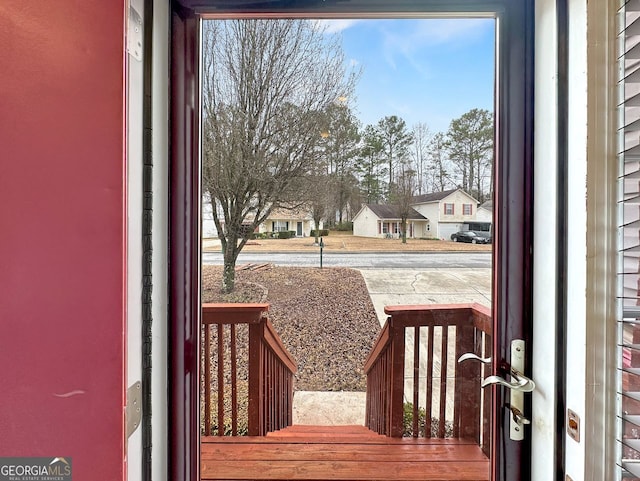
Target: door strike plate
[(573, 425), (133, 411)]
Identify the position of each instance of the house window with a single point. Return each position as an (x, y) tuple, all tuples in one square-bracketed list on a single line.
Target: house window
[(448, 209), (385, 228), (467, 209), (280, 226)]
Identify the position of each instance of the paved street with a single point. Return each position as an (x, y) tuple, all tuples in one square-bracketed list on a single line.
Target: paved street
[(364, 260)]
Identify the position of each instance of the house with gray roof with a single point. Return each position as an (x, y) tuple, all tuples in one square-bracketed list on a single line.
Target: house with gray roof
[(436, 215), (376, 220)]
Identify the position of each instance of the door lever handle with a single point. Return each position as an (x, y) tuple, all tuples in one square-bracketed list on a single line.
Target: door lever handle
[(522, 383), (469, 355)]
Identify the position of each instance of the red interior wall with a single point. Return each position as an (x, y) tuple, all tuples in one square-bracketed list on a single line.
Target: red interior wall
[(62, 256)]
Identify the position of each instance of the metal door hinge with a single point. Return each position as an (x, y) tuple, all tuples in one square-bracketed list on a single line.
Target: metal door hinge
[(134, 34), (133, 411)]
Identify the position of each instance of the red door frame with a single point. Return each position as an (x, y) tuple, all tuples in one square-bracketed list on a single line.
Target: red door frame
[(513, 214), (184, 250)]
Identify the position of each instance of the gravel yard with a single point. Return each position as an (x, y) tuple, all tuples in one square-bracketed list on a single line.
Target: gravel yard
[(324, 317)]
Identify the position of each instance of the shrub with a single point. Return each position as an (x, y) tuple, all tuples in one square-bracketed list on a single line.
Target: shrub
[(322, 233), (407, 423), (285, 234), (344, 226)]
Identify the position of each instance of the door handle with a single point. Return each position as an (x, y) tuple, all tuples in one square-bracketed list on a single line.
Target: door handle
[(471, 356), (521, 384)]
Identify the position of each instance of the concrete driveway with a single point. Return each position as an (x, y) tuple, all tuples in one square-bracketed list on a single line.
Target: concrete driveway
[(426, 286)]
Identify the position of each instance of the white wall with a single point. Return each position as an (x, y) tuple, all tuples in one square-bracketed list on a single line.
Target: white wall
[(208, 225), (544, 256), (484, 215), (576, 229), (365, 224), (431, 212)]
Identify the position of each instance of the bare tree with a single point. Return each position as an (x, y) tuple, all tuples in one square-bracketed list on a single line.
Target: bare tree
[(341, 140), (265, 85), (402, 194), (440, 174), (421, 137), (318, 198)]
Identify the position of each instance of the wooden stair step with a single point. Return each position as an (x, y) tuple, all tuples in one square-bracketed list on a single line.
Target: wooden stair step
[(343, 431), (340, 452), (312, 428), (356, 471)]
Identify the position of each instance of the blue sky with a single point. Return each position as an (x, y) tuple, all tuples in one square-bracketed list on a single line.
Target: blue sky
[(423, 70)]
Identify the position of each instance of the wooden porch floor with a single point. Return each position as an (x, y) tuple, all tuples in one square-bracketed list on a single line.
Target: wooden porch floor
[(303, 452)]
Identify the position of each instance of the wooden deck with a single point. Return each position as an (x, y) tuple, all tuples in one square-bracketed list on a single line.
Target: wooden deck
[(340, 453)]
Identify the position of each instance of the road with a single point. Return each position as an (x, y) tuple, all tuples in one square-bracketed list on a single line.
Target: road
[(363, 260)]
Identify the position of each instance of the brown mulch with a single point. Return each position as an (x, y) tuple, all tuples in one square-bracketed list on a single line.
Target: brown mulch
[(324, 317)]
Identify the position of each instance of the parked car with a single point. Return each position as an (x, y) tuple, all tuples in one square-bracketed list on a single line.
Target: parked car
[(470, 236), (485, 234)]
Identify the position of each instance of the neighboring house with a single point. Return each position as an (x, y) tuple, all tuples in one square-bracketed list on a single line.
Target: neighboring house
[(484, 218), (298, 220), (208, 225), (374, 220), (485, 212), (440, 215), (447, 211)]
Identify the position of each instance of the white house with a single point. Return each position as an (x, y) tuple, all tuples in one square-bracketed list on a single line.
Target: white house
[(374, 220), (448, 211), (299, 220), (485, 212), (208, 225)]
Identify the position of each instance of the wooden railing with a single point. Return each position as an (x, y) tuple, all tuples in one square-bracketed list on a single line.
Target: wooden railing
[(451, 330), (270, 370)]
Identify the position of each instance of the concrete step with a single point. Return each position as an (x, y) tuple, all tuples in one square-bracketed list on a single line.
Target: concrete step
[(328, 408)]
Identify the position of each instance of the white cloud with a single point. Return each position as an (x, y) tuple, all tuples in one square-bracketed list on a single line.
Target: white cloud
[(406, 43), (450, 30), (335, 26)]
